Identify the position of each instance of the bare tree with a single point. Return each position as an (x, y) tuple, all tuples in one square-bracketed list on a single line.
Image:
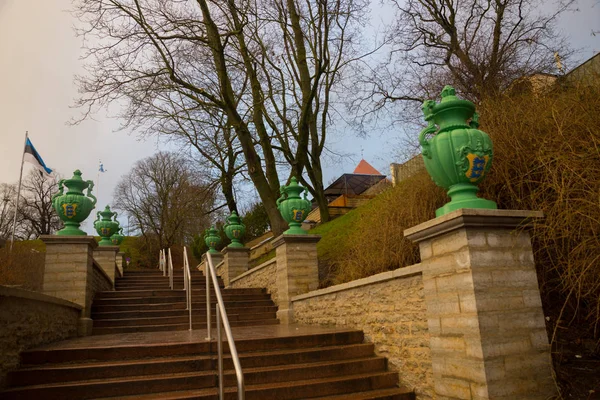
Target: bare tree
[(269, 67), (36, 215), (478, 46), (8, 194), (166, 199)]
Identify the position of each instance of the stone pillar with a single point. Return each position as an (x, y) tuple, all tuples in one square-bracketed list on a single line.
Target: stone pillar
[(297, 270), (216, 259), (120, 262), (486, 324), (106, 257), (235, 262), (68, 273)]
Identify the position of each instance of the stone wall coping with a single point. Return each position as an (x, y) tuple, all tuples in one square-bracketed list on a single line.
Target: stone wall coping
[(281, 239), (121, 253), (400, 273), (253, 270), (267, 240), (102, 272), (57, 239), (6, 291), (235, 250), (472, 217)]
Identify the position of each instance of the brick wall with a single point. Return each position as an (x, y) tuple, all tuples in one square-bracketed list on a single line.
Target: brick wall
[(29, 319), (390, 309)]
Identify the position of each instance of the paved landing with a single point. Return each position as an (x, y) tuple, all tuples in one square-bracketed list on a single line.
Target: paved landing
[(143, 339)]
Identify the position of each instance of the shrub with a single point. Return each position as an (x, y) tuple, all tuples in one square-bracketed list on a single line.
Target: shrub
[(546, 157), (24, 266)]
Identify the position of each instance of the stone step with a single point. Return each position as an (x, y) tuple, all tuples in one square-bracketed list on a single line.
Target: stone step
[(178, 305), (175, 297), (68, 372), (367, 386), (198, 318), (134, 351), (172, 293), (158, 327), (200, 310), (111, 387), (155, 384)]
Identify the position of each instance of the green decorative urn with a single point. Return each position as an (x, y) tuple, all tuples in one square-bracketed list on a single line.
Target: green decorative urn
[(106, 227), (73, 207), (234, 229), (457, 155), (292, 207), (117, 238), (212, 239)]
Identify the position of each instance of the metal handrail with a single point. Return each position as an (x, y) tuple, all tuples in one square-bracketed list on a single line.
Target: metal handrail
[(170, 263), (187, 284), (222, 315)]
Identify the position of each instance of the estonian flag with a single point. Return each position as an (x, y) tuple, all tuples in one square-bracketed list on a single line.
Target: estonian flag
[(31, 155)]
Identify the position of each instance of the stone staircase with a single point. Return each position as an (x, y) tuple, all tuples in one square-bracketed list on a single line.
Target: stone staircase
[(137, 353), (143, 302)]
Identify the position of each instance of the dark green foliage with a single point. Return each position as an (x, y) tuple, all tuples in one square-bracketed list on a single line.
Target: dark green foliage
[(256, 221)]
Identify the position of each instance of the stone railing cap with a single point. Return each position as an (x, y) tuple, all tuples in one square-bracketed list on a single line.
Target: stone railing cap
[(115, 249), (28, 294), (235, 250), (56, 239), (472, 217), (281, 239)]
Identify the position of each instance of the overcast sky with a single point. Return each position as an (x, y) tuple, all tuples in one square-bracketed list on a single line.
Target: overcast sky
[(39, 55)]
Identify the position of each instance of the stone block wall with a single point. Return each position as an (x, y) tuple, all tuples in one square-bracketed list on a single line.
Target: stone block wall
[(100, 281), (390, 309), (263, 276), (29, 319)]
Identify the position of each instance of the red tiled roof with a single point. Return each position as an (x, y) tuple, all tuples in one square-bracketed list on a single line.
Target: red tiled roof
[(365, 168)]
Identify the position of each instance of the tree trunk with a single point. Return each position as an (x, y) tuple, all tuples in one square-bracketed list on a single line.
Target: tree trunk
[(323, 206)]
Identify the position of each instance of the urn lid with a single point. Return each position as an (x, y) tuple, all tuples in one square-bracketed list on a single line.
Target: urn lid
[(106, 214), (450, 112), (293, 190), (233, 219), (76, 185)]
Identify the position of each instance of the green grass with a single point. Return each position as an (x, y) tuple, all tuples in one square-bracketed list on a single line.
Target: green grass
[(259, 260)]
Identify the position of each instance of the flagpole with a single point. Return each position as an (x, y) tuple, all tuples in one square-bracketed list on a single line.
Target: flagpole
[(98, 180), (12, 239)]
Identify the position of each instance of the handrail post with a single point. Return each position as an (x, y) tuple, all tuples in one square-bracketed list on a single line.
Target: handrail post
[(207, 273), (220, 356), (187, 280), (228, 333), (170, 270)]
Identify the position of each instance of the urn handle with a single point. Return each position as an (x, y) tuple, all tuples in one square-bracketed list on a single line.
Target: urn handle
[(90, 195), (97, 217), (115, 216), (282, 197), (431, 128), (60, 190)]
